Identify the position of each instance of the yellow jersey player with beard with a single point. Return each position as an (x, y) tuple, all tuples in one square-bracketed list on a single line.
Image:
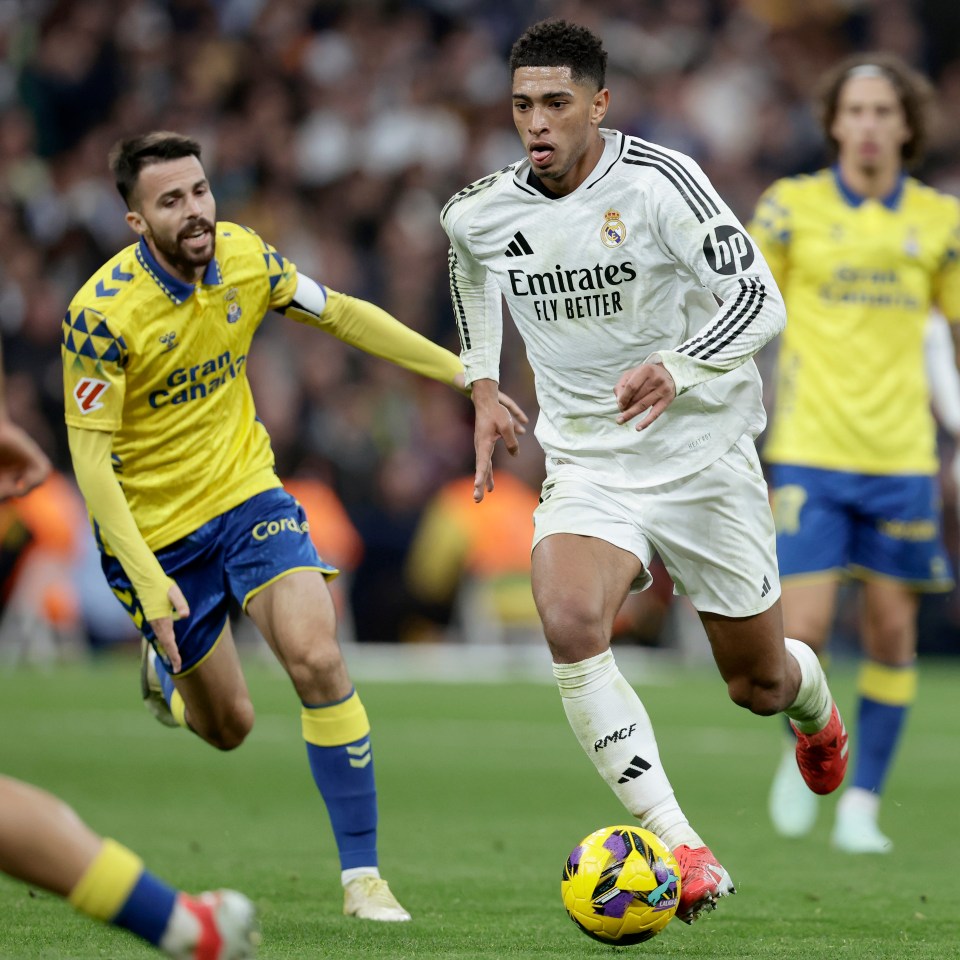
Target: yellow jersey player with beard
[(862, 253), (179, 479)]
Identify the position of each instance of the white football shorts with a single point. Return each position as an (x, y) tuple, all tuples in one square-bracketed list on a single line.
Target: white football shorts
[(713, 530)]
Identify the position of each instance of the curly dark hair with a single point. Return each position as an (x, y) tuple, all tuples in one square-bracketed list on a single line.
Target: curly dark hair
[(559, 43), (129, 157), (913, 90)]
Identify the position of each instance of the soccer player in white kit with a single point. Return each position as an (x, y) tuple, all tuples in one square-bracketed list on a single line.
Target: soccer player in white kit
[(641, 301)]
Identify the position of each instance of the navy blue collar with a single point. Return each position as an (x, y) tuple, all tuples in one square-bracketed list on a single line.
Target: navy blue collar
[(176, 289), (890, 201)]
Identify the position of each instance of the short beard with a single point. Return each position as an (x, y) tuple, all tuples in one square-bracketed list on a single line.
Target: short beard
[(184, 263)]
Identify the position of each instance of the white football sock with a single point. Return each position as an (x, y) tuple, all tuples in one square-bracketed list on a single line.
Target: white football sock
[(183, 930), (811, 709), (353, 872), (613, 728)]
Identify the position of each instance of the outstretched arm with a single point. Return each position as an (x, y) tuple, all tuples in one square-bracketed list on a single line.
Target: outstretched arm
[(371, 329)]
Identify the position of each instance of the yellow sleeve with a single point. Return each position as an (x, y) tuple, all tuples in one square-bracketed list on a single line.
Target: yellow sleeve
[(770, 229), (93, 357), (90, 451), (365, 326)]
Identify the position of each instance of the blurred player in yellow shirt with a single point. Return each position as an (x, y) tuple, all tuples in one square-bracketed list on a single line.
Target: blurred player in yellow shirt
[(476, 561), (44, 843), (179, 478), (862, 253)]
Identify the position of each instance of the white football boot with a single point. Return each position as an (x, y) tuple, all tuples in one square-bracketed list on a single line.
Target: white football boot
[(855, 828), (220, 925), (369, 898), (792, 805)]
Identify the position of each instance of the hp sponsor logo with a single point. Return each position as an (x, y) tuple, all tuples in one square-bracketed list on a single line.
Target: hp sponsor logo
[(727, 249)]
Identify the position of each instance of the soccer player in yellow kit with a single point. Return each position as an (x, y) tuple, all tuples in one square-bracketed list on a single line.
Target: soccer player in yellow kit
[(862, 252), (44, 843), (178, 475)]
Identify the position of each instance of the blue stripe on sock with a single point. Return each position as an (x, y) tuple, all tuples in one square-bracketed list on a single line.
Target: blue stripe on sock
[(166, 681), (879, 726), (329, 703), (148, 908), (350, 794)]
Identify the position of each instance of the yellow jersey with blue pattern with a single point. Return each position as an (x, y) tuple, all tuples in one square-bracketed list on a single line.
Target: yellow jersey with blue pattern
[(161, 364), (859, 277)]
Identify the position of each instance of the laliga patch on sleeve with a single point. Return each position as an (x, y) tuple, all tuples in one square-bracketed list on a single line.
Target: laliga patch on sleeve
[(88, 392)]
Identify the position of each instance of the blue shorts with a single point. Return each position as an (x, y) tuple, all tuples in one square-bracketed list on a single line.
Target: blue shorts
[(835, 522), (231, 557)]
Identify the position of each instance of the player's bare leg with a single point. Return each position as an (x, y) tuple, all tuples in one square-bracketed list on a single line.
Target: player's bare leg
[(579, 584), (217, 705), (44, 843), (296, 616), (767, 674)]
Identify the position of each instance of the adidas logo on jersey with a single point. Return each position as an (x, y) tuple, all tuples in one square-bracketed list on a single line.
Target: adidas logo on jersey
[(765, 587), (518, 246)]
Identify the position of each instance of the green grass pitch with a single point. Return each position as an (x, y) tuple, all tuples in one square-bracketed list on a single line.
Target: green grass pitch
[(483, 792)]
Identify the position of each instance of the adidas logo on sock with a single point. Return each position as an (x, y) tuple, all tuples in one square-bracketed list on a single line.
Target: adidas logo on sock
[(765, 588), (519, 246), (638, 766)]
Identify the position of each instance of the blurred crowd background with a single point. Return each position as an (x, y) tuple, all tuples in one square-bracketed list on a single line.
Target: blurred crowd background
[(337, 130)]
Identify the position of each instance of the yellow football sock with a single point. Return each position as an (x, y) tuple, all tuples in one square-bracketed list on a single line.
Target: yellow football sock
[(107, 883)]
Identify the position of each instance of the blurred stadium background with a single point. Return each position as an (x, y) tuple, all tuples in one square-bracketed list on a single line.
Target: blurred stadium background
[(337, 130)]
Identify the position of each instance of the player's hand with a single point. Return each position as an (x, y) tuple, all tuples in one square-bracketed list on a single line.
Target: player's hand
[(23, 465), (494, 421), (648, 388), (520, 419), (163, 627)]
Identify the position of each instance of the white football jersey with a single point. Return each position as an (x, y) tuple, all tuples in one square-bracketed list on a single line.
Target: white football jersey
[(630, 265)]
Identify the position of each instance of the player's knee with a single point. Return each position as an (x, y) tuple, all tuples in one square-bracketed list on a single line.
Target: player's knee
[(231, 729), (573, 632), (312, 668)]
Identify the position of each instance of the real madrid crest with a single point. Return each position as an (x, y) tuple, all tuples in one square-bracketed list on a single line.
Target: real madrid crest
[(613, 232)]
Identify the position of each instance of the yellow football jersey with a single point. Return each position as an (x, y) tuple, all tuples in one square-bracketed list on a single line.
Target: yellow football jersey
[(162, 365), (859, 277)]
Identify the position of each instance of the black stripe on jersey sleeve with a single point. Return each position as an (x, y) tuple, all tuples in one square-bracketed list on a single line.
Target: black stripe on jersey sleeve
[(692, 344), (459, 313), (648, 149), (744, 309), (699, 201), (476, 187), (743, 326), (683, 193)]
